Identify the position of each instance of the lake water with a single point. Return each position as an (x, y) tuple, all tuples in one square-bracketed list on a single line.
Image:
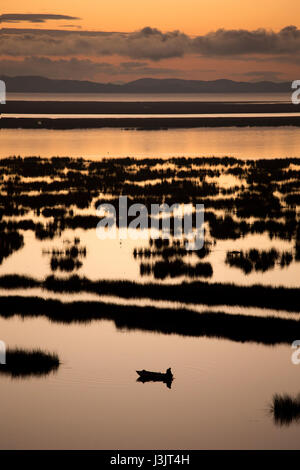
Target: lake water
[(219, 399), (277, 142)]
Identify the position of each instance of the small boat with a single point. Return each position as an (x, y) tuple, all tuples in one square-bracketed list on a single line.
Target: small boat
[(148, 376)]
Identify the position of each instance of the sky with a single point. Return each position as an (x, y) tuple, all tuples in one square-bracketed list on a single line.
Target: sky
[(119, 41)]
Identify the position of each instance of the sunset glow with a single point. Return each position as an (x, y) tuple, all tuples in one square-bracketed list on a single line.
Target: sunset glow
[(208, 39)]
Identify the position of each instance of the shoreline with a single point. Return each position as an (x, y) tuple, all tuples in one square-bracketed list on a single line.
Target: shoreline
[(146, 123)]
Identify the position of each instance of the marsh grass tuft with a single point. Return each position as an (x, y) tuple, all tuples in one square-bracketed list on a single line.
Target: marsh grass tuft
[(285, 409)]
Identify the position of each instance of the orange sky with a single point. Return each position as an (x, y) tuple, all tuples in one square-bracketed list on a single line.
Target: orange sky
[(190, 16)]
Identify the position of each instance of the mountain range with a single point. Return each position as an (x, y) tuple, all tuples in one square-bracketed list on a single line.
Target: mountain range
[(36, 84)]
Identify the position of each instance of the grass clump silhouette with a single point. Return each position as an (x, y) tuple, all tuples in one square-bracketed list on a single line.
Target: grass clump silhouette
[(22, 363), (285, 409), (9, 243)]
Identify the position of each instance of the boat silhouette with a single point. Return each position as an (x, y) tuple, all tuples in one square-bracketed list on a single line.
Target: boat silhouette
[(148, 376)]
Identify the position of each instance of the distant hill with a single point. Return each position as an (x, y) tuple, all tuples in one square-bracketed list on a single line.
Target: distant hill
[(35, 84)]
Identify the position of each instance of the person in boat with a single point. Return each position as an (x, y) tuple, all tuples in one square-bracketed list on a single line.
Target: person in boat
[(144, 372)]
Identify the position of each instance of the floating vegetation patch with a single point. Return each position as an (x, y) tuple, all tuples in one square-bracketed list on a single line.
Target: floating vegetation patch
[(176, 268), (23, 363), (196, 292), (166, 249), (240, 197)]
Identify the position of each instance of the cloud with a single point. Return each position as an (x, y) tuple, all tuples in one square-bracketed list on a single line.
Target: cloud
[(80, 69), (240, 42), (33, 18), (153, 44)]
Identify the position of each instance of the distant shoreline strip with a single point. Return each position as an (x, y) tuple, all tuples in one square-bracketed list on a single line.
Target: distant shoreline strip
[(198, 292)]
